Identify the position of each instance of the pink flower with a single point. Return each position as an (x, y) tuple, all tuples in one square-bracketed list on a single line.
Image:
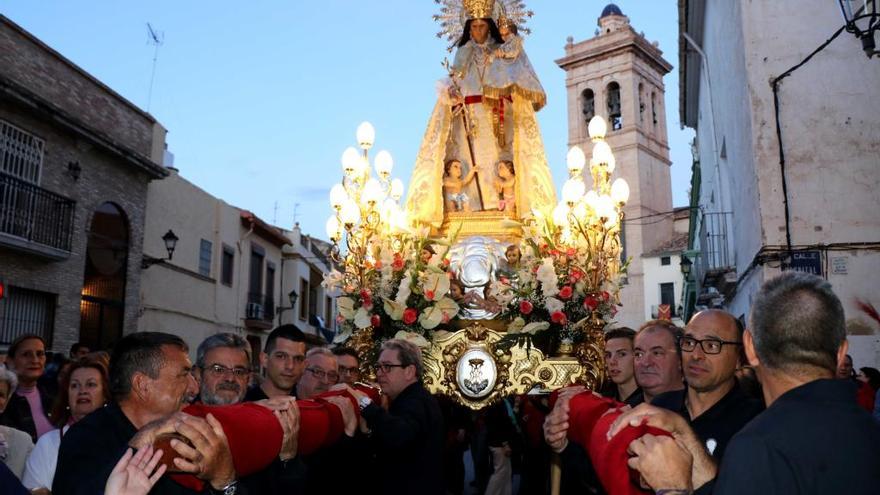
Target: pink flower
[(525, 307), (591, 303), (559, 318), (505, 280), (614, 312), (375, 321), (565, 293), (605, 296), (410, 315), (575, 276), (340, 318)]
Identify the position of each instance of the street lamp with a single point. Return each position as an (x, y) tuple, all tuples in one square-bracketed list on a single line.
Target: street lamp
[(170, 239), (685, 265), (862, 19), (292, 296)]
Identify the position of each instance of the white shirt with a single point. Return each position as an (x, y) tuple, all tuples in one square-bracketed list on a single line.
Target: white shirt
[(40, 468)]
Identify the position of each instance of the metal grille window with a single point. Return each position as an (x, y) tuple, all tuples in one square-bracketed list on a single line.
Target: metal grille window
[(25, 311), (227, 264), (205, 258), (21, 153)]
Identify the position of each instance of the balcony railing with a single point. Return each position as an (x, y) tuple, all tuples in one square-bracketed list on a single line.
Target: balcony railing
[(259, 307), (715, 264), (32, 215)]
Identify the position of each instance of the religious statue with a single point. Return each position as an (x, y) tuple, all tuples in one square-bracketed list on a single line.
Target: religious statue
[(456, 200), (505, 186), (485, 113)]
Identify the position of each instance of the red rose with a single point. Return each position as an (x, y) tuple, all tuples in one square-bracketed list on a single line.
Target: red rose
[(410, 315), (591, 303), (570, 252), (429, 295), (378, 264), (559, 318), (375, 321), (445, 262), (605, 296), (576, 275), (398, 263), (565, 293), (525, 307)]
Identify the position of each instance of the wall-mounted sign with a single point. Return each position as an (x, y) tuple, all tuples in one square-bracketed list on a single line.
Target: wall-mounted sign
[(806, 261), (840, 265)]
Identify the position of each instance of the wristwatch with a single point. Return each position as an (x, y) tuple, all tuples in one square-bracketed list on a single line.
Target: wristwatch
[(364, 401), (230, 489)]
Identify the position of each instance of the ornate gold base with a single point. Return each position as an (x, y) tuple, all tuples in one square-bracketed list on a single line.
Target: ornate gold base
[(469, 367), (499, 225)]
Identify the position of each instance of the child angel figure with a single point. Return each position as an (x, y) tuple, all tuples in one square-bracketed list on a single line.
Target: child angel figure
[(453, 197), (511, 71), (505, 186)]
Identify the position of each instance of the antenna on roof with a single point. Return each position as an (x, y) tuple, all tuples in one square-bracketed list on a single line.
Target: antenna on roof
[(155, 38), (295, 208)]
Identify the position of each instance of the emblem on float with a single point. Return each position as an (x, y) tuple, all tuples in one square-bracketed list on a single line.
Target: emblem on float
[(477, 373)]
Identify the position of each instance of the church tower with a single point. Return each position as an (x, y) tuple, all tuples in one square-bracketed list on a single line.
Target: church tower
[(618, 74)]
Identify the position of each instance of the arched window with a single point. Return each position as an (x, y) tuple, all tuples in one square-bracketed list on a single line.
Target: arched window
[(588, 104), (614, 115), (102, 310), (654, 107), (641, 104)]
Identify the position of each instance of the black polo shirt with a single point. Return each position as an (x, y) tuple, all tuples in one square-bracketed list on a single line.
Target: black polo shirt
[(718, 424)]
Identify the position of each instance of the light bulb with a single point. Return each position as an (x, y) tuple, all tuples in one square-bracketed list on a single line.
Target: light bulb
[(611, 164), (580, 211), (620, 191), (560, 215), (366, 135), (338, 195), (350, 160), (372, 192), (605, 207), (333, 228), (350, 213), (389, 209), (575, 160), (396, 189), (383, 164), (602, 152), (597, 128), (591, 199), (573, 190)]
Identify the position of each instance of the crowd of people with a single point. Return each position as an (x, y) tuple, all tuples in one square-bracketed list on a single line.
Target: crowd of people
[(772, 408)]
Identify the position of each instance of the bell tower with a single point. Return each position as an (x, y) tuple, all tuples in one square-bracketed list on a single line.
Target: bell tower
[(618, 74)]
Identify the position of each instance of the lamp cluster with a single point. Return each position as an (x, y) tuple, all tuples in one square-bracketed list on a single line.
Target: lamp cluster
[(591, 219), (366, 207)]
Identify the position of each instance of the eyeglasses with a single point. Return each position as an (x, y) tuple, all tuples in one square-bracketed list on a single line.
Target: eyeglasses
[(345, 370), (220, 370), (283, 356), (386, 367), (321, 374), (709, 346)]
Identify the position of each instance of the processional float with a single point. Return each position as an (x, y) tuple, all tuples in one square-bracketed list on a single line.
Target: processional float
[(505, 290)]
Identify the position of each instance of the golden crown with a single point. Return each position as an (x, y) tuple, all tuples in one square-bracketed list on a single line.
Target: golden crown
[(479, 9)]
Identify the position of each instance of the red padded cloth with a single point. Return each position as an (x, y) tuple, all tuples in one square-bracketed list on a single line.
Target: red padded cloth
[(589, 428)]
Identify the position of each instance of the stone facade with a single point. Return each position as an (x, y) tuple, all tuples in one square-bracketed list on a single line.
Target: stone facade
[(618, 55), (118, 148), (830, 122)]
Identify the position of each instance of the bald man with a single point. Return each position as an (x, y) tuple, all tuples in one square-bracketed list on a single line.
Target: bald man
[(713, 403)]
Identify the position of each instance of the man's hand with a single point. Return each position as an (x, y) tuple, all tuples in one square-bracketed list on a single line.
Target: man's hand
[(277, 403), (146, 436), (662, 461), (652, 416), (289, 419), (556, 423), (133, 474), (211, 459), (357, 394), (349, 418)]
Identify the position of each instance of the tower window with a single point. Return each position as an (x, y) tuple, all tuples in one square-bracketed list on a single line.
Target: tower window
[(641, 104), (614, 114), (654, 107), (588, 104)]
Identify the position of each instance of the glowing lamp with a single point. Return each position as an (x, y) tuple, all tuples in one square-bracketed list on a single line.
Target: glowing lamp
[(384, 164), (597, 128), (573, 191), (575, 160), (366, 135), (560, 215), (350, 160), (337, 196), (602, 153), (620, 191), (350, 213), (333, 228), (372, 192), (396, 189)]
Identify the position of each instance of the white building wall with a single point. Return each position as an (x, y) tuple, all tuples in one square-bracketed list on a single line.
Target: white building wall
[(830, 122), (656, 274)]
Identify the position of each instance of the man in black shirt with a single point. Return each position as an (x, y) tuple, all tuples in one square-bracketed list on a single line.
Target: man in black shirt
[(812, 439), (712, 403), (283, 358), (150, 380)]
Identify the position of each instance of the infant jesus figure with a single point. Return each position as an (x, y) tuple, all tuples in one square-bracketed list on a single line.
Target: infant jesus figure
[(453, 197), (505, 186)]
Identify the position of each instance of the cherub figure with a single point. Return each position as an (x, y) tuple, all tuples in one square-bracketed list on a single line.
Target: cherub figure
[(514, 72), (427, 253), (453, 198), (505, 186)]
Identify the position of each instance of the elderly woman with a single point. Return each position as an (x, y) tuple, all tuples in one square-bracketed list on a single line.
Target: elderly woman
[(84, 388), (15, 445)]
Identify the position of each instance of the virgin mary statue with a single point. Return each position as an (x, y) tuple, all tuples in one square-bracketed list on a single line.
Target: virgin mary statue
[(483, 116)]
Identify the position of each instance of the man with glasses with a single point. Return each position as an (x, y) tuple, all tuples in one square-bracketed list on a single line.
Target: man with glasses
[(223, 369), (713, 404), (408, 438), (28, 408), (349, 365), (283, 358), (320, 373)]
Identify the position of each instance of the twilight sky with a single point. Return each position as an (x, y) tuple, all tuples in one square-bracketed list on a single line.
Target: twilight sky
[(261, 98)]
